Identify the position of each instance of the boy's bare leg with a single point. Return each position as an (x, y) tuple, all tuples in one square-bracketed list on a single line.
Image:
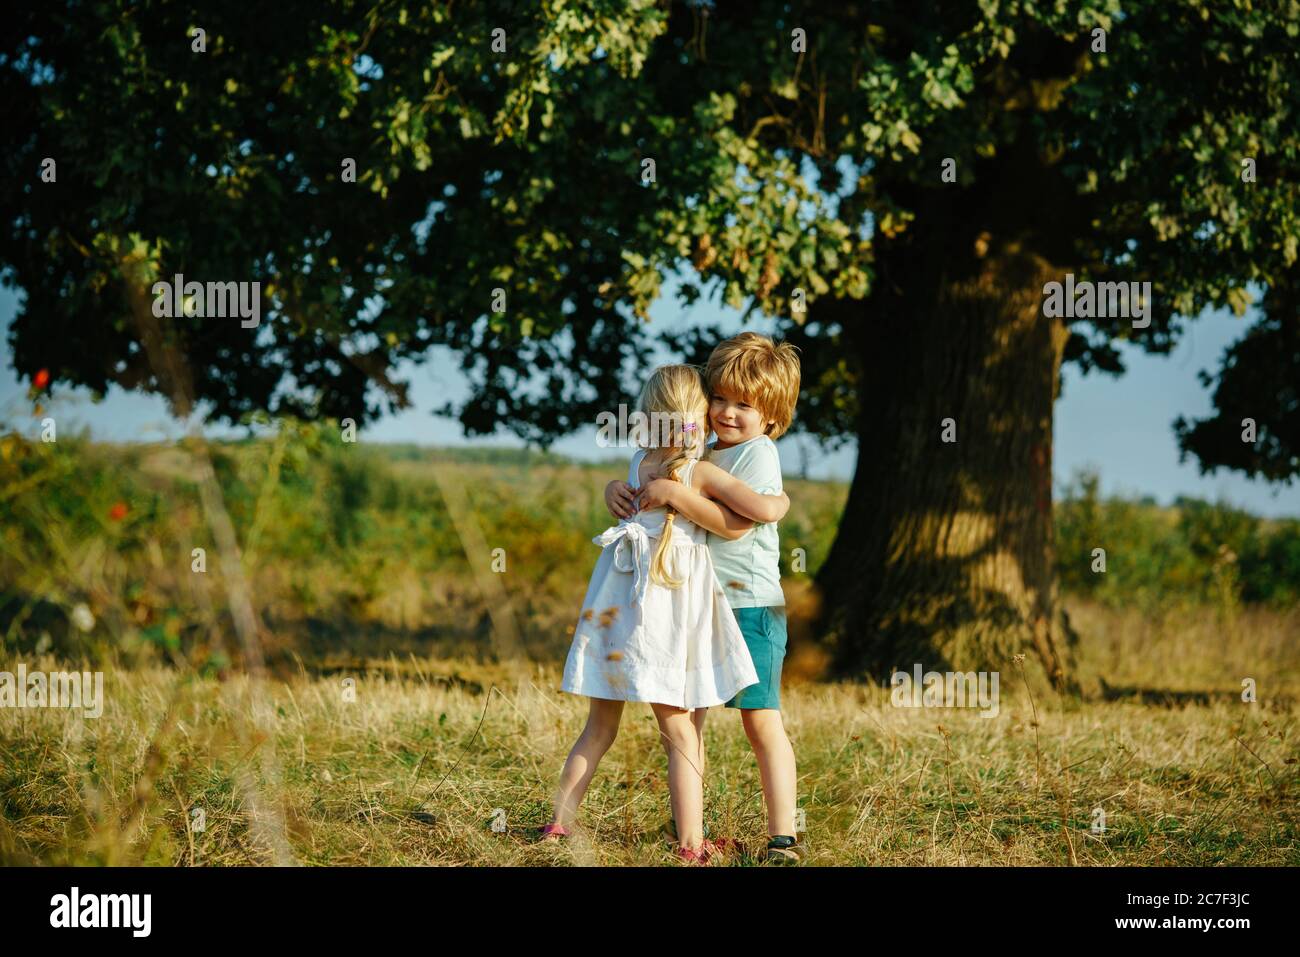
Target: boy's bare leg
[(766, 733)]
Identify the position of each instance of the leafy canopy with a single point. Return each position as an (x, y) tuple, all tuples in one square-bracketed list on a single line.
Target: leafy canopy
[(777, 174)]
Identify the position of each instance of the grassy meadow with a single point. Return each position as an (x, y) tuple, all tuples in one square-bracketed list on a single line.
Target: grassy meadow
[(407, 710)]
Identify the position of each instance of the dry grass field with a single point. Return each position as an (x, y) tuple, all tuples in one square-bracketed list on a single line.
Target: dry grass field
[(390, 728), (451, 761)]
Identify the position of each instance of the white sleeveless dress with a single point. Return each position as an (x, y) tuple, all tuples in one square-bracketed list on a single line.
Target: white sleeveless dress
[(640, 641)]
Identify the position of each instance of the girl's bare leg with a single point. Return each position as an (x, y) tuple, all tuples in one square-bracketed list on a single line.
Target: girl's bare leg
[(697, 719), (685, 785), (601, 730)]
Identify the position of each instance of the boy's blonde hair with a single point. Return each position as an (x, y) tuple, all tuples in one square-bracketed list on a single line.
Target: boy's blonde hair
[(759, 371), (674, 397)]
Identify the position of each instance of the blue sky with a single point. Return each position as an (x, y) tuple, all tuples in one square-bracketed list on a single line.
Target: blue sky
[(1121, 427)]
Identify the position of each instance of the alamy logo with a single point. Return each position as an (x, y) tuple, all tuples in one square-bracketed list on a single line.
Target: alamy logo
[(1098, 300), (58, 689), (103, 910), (221, 300), (945, 689)]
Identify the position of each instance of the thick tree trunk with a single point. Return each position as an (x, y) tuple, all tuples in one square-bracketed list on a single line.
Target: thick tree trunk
[(945, 552)]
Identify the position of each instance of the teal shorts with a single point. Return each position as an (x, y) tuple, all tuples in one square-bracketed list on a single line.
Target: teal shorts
[(764, 632)]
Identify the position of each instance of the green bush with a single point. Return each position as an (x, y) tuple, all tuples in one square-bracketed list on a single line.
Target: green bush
[(1193, 551), (327, 528)]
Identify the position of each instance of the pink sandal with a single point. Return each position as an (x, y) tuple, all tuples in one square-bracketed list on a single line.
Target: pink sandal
[(553, 832), (694, 856), (705, 853)]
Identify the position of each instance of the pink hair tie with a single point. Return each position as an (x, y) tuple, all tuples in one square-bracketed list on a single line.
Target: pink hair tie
[(688, 427)]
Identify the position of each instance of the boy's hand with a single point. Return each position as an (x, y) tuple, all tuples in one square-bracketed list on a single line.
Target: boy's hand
[(618, 499), (659, 492)]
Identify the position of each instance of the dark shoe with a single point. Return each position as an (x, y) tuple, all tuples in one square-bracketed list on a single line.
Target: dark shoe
[(784, 849)]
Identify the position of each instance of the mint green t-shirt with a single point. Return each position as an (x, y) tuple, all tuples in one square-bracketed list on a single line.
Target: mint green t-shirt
[(749, 568)]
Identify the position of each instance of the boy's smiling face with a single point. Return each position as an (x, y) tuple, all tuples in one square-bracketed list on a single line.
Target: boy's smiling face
[(734, 420)]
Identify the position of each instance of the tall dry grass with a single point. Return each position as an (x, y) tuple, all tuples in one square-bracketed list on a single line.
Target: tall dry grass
[(431, 753)]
